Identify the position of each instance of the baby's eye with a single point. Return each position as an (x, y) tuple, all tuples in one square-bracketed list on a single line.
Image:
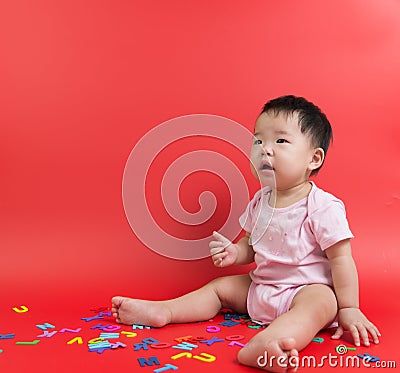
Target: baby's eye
[(281, 141), (257, 142)]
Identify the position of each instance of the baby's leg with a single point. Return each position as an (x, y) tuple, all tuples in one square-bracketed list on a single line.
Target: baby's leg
[(313, 308), (202, 304)]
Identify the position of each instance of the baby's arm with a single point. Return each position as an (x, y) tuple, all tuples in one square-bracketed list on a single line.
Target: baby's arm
[(224, 253), (345, 282)]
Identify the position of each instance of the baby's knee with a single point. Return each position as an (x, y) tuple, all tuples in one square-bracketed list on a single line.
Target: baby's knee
[(327, 302), (220, 285), (220, 281)]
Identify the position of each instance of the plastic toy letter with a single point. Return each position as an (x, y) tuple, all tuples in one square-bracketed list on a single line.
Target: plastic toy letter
[(112, 328), (70, 330), (45, 326), (47, 334), (35, 342), (182, 354), (75, 340), (7, 336), (205, 357), (152, 360), (129, 334), (166, 367)]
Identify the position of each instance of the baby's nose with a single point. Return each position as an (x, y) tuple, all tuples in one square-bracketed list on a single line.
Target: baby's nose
[(268, 150)]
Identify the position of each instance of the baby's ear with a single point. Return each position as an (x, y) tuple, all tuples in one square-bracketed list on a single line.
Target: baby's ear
[(317, 159)]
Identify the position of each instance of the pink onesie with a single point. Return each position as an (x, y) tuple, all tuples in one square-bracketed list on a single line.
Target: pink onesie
[(289, 246)]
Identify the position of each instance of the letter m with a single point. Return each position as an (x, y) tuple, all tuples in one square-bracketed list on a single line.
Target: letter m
[(149, 362)]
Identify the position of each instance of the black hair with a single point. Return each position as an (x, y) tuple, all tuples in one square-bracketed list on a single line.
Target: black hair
[(312, 121)]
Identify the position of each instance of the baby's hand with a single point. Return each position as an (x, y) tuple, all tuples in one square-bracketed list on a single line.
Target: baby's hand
[(353, 320), (223, 251)]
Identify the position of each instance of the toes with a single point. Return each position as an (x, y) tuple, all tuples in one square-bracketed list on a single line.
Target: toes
[(116, 302)]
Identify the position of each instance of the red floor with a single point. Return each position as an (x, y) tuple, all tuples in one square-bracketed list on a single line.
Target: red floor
[(53, 354), (62, 278)]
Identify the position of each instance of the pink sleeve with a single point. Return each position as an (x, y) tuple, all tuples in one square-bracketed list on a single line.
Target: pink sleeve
[(246, 219), (329, 224)]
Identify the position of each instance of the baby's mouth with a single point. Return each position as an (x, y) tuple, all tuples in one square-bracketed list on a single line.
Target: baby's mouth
[(266, 166)]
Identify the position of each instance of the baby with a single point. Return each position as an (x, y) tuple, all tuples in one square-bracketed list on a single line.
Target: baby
[(305, 278)]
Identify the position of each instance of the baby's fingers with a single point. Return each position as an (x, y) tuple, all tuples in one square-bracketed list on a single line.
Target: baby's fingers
[(218, 259), (338, 333), (374, 332), (359, 333), (216, 250), (220, 238), (364, 334), (214, 244), (354, 333)]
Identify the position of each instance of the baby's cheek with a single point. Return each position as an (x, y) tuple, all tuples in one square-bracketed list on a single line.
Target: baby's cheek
[(253, 170)]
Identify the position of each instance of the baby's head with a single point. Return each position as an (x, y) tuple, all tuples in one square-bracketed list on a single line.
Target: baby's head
[(311, 120)]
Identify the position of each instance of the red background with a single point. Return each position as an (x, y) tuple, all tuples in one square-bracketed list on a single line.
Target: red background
[(82, 82)]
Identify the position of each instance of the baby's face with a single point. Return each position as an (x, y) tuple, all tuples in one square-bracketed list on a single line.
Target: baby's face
[(281, 153)]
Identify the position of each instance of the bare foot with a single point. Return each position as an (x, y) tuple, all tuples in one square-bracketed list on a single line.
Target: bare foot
[(135, 311), (282, 356), (277, 356)]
